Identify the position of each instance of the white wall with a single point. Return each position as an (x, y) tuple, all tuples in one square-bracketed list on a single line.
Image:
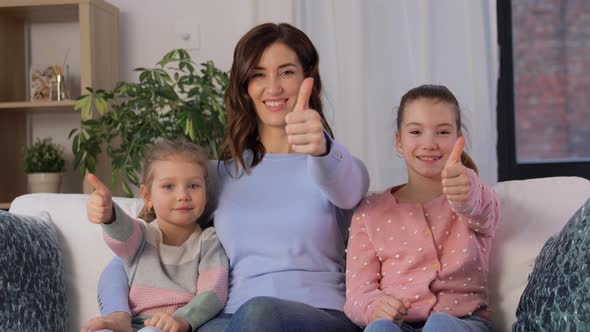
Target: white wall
[(150, 28)]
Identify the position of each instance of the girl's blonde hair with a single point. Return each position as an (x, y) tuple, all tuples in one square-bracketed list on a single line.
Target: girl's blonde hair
[(438, 93), (165, 149)]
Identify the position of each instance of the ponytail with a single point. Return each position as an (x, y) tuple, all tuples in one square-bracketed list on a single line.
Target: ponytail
[(469, 162), (149, 215)]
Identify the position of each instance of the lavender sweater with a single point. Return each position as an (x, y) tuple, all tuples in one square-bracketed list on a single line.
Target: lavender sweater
[(280, 230)]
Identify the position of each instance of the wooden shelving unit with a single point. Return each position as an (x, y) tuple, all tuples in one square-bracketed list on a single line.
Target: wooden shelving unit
[(98, 23), (29, 106)]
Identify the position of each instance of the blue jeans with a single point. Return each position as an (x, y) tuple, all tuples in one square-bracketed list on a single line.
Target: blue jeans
[(438, 321), (113, 288), (258, 314), (271, 314), (139, 329)]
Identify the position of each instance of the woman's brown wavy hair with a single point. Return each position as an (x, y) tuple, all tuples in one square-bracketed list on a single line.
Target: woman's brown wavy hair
[(242, 122), (438, 93)]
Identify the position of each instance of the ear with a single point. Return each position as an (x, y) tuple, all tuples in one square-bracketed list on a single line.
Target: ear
[(398, 142), (145, 194)]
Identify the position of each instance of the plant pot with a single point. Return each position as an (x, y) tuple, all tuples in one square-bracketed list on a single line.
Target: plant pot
[(44, 182)]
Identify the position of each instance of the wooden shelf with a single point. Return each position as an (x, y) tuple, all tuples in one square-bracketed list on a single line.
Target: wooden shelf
[(97, 24), (48, 11), (37, 105), (4, 206)]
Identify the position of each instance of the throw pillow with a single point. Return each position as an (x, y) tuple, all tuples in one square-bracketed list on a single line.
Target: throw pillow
[(32, 288), (557, 293)]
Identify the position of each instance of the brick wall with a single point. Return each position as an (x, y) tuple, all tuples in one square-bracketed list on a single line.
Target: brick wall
[(551, 45)]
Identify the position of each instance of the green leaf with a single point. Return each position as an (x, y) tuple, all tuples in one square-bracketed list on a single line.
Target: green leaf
[(101, 105), (127, 189), (85, 107), (72, 132), (166, 92)]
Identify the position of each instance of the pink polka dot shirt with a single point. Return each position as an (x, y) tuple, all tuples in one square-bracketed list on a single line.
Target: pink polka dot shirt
[(433, 255)]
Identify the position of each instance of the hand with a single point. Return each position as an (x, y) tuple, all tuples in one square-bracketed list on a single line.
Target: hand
[(455, 179), (99, 206), (391, 308), (168, 323), (116, 321), (305, 130)]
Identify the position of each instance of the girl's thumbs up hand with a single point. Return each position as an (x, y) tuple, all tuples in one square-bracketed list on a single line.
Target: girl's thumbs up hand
[(455, 179), (305, 130), (99, 206)]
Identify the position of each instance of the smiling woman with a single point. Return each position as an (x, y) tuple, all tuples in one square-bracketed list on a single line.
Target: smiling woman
[(281, 185)]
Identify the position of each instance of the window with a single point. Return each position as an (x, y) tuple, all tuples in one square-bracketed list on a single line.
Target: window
[(544, 88)]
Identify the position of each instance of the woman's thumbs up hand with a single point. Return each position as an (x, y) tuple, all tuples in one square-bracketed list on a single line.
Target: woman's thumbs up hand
[(305, 130)]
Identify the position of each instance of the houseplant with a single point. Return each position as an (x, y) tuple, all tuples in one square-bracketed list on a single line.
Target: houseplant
[(175, 99), (44, 163)]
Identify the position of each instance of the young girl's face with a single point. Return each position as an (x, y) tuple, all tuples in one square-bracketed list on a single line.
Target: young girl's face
[(274, 85), (426, 136), (177, 192)]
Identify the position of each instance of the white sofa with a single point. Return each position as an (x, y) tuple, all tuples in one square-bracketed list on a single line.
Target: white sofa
[(532, 211)]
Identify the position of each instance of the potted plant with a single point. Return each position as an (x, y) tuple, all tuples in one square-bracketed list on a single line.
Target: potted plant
[(176, 99), (44, 163)]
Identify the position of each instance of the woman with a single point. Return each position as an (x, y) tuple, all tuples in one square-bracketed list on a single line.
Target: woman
[(281, 180)]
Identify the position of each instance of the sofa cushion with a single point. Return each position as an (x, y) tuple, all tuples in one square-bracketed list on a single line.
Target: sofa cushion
[(556, 296), (83, 249), (31, 275)]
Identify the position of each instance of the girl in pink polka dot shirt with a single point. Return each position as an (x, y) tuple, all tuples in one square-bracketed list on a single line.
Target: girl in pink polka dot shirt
[(418, 254)]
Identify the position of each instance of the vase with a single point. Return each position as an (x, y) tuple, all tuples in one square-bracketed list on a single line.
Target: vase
[(44, 182)]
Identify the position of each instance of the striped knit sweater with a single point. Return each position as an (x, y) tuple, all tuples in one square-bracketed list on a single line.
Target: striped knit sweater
[(189, 281)]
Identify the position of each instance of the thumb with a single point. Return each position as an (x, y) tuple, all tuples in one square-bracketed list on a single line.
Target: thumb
[(98, 186), (407, 303), (304, 93), (455, 157)]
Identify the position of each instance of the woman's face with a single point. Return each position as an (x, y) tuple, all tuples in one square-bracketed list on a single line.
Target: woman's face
[(274, 85)]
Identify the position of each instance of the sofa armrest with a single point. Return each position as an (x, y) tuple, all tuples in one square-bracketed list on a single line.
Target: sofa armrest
[(531, 211)]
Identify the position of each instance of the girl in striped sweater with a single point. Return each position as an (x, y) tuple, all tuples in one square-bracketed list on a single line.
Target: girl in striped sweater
[(178, 272)]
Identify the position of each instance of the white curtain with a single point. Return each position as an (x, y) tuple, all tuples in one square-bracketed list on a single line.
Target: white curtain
[(373, 51)]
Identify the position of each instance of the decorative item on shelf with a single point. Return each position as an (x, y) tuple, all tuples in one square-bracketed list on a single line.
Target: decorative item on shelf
[(44, 163), (41, 77), (175, 99), (58, 90), (48, 83)]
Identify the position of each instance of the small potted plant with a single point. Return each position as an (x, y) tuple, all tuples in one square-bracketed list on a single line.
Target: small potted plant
[(44, 163)]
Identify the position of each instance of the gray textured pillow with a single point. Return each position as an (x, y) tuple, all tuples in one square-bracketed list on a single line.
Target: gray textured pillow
[(32, 289), (557, 296)]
